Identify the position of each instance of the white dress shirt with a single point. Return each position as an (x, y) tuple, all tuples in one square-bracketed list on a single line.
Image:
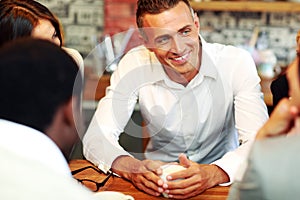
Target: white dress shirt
[(25, 178), (33, 145), (222, 106), (34, 168)]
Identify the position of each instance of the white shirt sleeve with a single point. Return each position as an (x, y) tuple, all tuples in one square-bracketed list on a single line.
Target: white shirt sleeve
[(101, 141), (250, 114)]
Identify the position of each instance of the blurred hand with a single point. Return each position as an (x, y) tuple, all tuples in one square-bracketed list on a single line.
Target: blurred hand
[(195, 179), (296, 128), (281, 120), (143, 174)]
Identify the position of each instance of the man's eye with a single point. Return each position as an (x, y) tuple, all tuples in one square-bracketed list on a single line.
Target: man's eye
[(185, 32), (162, 40)]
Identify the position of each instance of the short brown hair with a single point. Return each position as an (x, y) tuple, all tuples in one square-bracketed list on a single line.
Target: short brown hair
[(155, 7)]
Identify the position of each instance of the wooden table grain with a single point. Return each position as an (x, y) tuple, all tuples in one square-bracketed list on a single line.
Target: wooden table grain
[(124, 186)]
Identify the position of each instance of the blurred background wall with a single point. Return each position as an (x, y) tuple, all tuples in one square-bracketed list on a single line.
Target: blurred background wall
[(85, 23)]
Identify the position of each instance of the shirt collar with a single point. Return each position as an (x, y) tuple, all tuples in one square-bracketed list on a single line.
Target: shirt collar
[(208, 66)]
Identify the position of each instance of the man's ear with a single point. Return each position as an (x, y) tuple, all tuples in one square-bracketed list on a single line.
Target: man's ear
[(69, 111), (196, 20), (73, 114), (63, 126)]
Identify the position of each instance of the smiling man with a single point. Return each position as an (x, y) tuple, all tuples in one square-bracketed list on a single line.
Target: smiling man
[(201, 102)]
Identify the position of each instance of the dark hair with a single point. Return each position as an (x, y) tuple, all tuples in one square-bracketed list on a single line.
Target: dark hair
[(155, 7), (36, 77), (19, 17)]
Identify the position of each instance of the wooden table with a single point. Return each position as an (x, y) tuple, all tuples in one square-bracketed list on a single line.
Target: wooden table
[(124, 186)]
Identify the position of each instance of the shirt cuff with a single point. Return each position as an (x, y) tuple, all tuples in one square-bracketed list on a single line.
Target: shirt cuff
[(232, 165)]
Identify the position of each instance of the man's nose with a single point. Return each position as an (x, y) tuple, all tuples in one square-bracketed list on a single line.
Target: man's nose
[(177, 44)]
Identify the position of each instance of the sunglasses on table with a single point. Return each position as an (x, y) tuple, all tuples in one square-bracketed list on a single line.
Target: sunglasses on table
[(93, 185)]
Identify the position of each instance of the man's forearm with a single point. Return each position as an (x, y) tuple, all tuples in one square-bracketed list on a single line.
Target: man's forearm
[(125, 165)]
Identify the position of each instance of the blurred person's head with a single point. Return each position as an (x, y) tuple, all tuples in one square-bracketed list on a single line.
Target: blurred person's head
[(24, 18), (41, 88), (293, 77)]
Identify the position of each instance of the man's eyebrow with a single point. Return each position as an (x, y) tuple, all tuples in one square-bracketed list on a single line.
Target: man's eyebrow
[(168, 35), (185, 27)]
